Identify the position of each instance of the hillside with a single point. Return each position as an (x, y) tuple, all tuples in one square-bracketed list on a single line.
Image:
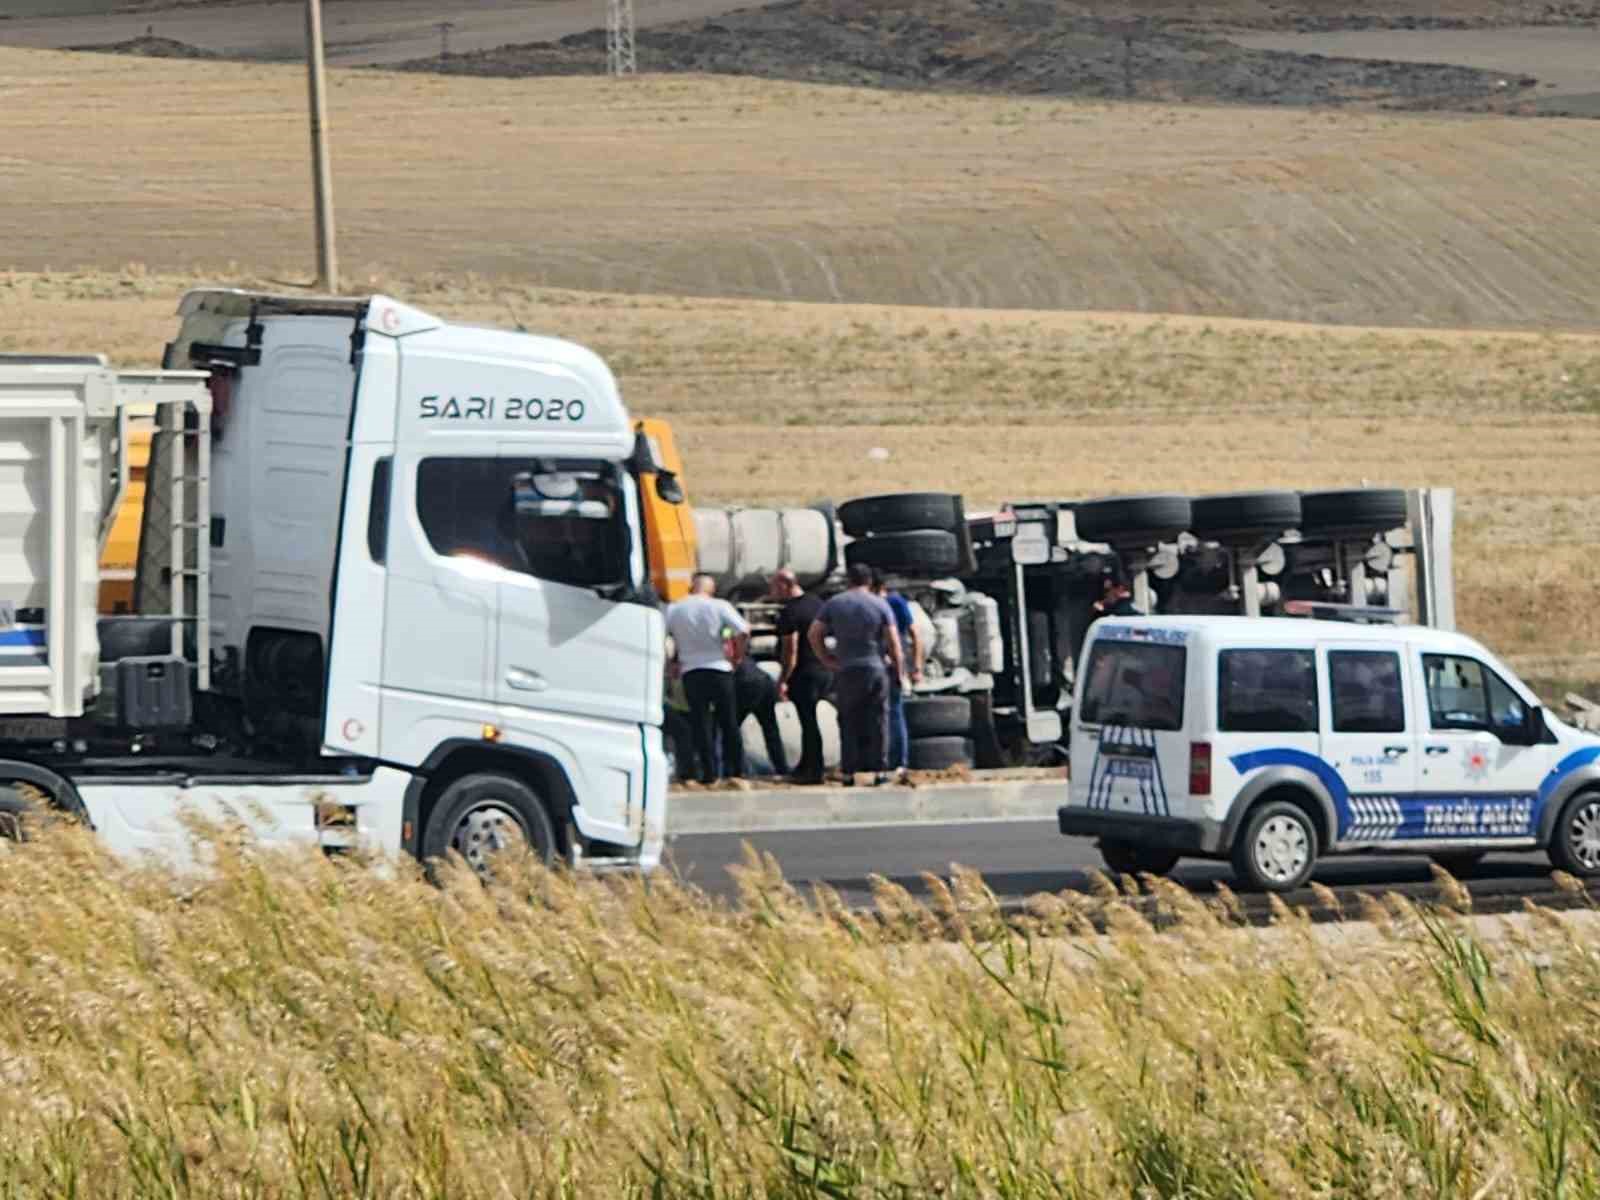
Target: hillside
[(702, 186)]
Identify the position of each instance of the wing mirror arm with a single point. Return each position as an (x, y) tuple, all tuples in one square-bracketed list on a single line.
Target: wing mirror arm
[(1536, 727)]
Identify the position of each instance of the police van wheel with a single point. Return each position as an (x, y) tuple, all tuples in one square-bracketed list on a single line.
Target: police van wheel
[(1277, 848), (1123, 858), (483, 815), (1576, 845)]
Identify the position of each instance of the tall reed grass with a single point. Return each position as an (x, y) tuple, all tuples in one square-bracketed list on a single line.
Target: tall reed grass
[(294, 1027)]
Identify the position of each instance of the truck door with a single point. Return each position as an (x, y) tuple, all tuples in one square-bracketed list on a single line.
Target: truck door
[(1369, 738), (574, 658), (1480, 777)]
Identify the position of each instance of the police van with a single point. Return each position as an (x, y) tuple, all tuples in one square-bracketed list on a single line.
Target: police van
[(1273, 741)]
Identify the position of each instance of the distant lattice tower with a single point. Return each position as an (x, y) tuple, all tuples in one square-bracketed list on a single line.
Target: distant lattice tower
[(620, 56)]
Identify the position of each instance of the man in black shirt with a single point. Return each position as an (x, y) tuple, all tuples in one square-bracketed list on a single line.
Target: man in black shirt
[(804, 680)]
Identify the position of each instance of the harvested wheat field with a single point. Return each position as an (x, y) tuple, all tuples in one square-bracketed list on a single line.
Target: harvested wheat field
[(295, 1027), (719, 186), (782, 402)]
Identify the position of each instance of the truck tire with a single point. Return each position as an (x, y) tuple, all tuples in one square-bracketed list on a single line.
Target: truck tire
[(1124, 858), (1220, 518), (938, 716), (1143, 519), (938, 753), (1362, 511), (901, 513), (932, 552), (1276, 850), (481, 814), (1575, 842)]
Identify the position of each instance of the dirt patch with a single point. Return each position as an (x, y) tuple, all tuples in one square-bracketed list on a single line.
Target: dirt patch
[(1017, 46), (150, 47)]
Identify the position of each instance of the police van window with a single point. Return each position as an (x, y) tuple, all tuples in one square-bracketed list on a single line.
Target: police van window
[(561, 521), (1367, 694), (1267, 691), (1464, 694), (1139, 684)]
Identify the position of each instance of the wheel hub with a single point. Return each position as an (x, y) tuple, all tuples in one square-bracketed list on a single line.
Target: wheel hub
[(1586, 835), (1281, 849), (485, 831)]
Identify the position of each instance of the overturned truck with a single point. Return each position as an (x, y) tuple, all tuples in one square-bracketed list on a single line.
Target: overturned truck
[(1004, 598)]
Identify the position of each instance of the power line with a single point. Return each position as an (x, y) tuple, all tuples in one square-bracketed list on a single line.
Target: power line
[(621, 58)]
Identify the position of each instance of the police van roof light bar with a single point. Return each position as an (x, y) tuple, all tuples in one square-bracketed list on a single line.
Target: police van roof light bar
[(1358, 613)]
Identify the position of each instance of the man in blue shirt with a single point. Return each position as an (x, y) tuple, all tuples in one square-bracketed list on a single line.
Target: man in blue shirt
[(863, 630), (911, 649)]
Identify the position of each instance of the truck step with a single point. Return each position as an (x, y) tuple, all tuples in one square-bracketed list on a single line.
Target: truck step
[(607, 864)]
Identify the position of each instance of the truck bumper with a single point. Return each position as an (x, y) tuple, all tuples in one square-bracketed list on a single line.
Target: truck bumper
[(1142, 829)]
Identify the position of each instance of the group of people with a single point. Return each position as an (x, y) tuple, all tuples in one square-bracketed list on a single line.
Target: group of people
[(861, 649)]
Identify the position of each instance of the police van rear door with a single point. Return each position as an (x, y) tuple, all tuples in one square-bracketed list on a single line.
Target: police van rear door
[(1129, 748)]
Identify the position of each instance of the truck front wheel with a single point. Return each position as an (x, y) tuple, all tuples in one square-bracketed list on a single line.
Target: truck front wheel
[(482, 815)]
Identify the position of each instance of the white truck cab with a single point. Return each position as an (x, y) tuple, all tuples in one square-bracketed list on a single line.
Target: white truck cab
[(1272, 741), (391, 580)]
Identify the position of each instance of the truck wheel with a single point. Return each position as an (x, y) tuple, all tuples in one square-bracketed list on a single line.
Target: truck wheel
[(480, 815), (1277, 848), (914, 552), (938, 753), (1124, 858), (1575, 846), (1149, 519), (901, 513), (1219, 518), (1458, 863), (1354, 511), (938, 716)]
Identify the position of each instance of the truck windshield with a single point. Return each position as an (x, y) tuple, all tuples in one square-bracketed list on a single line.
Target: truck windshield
[(561, 521), (1139, 684)]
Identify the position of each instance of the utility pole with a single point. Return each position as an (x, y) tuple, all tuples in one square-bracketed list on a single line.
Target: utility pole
[(321, 174), (620, 56)]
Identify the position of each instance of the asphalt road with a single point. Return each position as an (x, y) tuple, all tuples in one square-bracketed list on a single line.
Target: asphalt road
[(1016, 858), (1565, 60), (357, 32)]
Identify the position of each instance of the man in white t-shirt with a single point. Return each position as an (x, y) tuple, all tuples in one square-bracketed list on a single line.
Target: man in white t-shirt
[(702, 628)]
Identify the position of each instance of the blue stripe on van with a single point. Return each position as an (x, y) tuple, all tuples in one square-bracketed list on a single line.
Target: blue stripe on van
[(21, 636), (1414, 824), (1285, 757), (1569, 764)]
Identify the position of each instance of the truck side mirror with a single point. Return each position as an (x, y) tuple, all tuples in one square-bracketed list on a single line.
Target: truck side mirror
[(668, 487)]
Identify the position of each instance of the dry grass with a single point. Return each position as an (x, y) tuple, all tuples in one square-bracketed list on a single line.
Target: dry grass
[(781, 402), (292, 1027), (715, 186)]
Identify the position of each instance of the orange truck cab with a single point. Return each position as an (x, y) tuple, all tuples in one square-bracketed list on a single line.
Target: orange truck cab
[(670, 541)]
